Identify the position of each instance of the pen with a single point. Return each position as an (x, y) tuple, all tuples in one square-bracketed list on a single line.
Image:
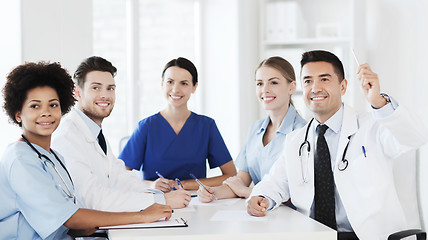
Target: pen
[(199, 182), (364, 151), (160, 175), (179, 183), (355, 57)]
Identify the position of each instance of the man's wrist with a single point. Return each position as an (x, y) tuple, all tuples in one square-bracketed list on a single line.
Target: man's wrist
[(381, 101)]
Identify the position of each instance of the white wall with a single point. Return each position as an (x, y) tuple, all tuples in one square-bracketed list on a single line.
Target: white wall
[(397, 50), (50, 30), (248, 44), (57, 30), (10, 48), (229, 55)]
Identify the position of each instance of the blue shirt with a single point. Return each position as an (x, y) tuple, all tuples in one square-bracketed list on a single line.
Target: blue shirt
[(33, 205), (257, 159), (154, 146)]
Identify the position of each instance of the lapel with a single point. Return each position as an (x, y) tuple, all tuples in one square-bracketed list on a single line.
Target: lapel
[(349, 128), (86, 133)]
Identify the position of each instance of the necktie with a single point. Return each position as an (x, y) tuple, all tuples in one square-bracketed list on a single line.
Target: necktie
[(324, 182), (102, 141)]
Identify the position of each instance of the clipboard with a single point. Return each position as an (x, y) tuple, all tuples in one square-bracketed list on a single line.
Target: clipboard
[(172, 223)]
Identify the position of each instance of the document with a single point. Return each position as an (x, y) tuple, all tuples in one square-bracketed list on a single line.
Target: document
[(173, 222)]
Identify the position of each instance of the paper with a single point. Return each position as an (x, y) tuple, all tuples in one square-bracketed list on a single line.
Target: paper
[(235, 215), (174, 222), (222, 202)]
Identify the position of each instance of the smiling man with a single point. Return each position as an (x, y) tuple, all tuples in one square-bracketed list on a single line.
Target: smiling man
[(338, 169), (100, 179)]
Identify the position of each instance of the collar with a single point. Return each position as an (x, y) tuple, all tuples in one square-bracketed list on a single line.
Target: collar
[(334, 123), (93, 127), (286, 125)]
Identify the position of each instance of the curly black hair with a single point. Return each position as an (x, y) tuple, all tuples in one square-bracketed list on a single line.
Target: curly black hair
[(31, 75)]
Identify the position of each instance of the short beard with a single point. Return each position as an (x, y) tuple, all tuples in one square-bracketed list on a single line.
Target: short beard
[(95, 117)]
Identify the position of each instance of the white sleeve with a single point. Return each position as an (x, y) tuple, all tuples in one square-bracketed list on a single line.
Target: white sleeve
[(93, 187), (406, 131), (124, 179), (274, 185)]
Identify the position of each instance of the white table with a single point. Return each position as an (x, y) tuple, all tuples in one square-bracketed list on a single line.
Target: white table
[(281, 223)]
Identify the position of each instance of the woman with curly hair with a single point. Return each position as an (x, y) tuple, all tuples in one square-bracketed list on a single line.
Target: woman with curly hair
[(37, 193)]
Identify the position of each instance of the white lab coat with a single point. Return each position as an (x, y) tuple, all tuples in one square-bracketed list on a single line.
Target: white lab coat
[(101, 181), (366, 187)]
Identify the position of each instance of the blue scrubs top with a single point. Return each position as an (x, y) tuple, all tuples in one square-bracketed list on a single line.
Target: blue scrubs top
[(154, 146), (257, 159), (33, 206)]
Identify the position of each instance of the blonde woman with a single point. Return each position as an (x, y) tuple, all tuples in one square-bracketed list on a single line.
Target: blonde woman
[(275, 83)]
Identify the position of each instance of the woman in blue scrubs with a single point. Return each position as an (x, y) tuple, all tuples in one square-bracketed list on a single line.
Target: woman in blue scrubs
[(176, 142), (37, 194), (275, 83)]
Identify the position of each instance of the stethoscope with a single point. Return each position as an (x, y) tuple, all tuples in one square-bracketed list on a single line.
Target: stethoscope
[(343, 164), (47, 160)]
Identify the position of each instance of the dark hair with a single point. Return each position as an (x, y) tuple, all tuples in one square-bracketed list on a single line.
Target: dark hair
[(283, 66), (185, 64), (324, 56), (90, 64), (32, 75)]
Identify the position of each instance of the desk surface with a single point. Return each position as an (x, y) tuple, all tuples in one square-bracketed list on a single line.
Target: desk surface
[(206, 222)]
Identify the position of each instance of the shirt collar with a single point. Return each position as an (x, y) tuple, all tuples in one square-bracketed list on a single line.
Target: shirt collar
[(334, 123), (93, 127), (286, 125)]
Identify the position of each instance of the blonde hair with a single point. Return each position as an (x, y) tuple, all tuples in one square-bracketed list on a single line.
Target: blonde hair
[(283, 66)]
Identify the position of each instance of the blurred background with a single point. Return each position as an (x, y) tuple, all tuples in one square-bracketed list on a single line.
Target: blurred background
[(226, 39)]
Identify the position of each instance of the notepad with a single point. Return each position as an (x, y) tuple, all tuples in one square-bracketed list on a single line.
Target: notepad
[(174, 222)]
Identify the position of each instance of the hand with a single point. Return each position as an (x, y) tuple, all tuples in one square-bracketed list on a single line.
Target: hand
[(155, 212), (236, 184), (163, 184), (257, 206), (178, 199), (370, 85), (205, 196)]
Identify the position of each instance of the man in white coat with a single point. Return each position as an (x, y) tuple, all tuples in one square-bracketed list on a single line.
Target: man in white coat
[(354, 191), (100, 179)]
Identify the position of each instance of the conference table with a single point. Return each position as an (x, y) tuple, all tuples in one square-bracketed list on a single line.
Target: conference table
[(228, 219)]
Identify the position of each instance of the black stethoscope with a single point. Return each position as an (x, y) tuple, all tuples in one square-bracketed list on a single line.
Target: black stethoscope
[(341, 166), (47, 160)]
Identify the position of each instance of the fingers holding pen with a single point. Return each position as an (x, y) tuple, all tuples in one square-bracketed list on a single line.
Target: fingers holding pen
[(204, 195), (155, 212), (370, 85), (367, 77), (163, 184)]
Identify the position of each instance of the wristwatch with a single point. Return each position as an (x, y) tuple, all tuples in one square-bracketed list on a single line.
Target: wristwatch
[(386, 96)]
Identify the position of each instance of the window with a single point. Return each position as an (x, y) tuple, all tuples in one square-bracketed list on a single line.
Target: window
[(166, 30)]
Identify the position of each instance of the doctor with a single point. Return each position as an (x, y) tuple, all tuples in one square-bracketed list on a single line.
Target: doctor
[(338, 168), (102, 181)]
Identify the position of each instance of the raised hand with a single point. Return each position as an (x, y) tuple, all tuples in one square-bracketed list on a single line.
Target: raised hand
[(370, 85)]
